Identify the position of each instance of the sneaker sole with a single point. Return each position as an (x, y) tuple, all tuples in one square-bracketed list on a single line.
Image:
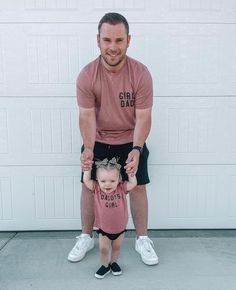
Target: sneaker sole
[(74, 260), (150, 263), (101, 277), (116, 273)]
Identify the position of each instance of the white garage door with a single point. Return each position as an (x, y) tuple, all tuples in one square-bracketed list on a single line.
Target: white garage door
[(190, 49)]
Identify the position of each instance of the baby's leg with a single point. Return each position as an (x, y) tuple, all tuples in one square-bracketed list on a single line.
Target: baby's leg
[(104, 247), (116, 245)]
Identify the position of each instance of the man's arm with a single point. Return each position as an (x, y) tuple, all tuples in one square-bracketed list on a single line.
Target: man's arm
[(142, 126), (87, 123), (141, 132)]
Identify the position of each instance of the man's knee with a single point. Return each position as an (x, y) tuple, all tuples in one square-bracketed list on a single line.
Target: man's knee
[(86, 194), (86, 199), (139, 189)]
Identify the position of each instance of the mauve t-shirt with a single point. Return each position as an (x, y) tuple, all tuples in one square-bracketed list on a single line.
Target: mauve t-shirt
[(115, 96), (111, 212)]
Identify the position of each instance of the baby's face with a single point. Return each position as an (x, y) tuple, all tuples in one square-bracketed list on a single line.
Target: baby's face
[(108, 179)]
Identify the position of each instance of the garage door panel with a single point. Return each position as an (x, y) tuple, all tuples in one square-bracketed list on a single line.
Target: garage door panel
[(39, 133), (6, 201), (56, 197), (193, 131), (192, 196), (3, 130), (231, 121), (48, 59), (36, 197), (190, 59)]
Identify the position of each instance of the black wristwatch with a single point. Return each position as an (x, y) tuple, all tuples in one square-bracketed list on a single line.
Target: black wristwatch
[(139, 148)]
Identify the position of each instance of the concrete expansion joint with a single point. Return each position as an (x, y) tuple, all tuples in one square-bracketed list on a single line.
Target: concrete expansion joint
[(4, 244)]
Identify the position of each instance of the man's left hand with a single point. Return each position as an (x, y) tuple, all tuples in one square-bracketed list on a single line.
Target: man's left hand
[(132, 162)]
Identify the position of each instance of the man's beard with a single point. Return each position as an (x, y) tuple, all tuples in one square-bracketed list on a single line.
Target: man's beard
[(113, 64)]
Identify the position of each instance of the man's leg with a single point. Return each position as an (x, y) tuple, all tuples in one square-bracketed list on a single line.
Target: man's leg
[(87, 210), (85, 241), (139, 210)]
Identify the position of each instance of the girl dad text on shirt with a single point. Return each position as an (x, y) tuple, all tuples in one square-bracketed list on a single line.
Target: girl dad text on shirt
[(127, 99)]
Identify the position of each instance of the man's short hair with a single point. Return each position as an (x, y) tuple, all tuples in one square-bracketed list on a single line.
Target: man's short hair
[(113, 18)]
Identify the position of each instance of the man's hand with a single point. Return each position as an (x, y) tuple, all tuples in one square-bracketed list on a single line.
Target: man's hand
[(86, 159), (132, 162)]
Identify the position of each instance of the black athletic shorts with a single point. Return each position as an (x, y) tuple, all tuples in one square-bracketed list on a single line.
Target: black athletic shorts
[(102, 151)]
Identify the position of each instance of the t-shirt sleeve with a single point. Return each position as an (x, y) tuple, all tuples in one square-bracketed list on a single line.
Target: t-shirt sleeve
[(144, 93), (84, 92)]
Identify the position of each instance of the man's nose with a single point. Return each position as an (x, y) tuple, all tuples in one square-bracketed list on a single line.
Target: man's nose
[(113, 46)]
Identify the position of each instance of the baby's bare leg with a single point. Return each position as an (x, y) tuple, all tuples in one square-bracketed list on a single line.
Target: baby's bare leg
[(116, 245)]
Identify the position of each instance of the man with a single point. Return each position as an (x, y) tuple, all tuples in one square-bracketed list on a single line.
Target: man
[(115, 96)]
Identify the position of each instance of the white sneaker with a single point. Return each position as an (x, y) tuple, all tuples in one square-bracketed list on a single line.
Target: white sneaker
[(84, 244), (144, 246)]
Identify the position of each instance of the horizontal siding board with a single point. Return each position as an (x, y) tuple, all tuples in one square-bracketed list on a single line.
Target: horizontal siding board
[(184, 131), (154, 11), (180, 196), (184, 59)]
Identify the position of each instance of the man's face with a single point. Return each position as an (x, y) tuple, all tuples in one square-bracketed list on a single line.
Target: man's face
[(113, 42)]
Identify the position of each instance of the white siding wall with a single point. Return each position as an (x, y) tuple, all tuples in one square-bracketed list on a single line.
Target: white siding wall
[(190, 49)]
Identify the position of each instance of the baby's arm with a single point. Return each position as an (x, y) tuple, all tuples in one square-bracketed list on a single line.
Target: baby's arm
[(87, 179), (132, 182)]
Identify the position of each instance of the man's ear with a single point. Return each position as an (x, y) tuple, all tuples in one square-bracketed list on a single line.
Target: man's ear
[(128, 39), (98, 40)]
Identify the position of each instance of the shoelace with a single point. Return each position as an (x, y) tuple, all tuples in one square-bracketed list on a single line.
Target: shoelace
[(147, 244)]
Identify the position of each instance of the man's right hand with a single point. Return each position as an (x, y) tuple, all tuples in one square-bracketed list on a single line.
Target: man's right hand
[(86, 159)]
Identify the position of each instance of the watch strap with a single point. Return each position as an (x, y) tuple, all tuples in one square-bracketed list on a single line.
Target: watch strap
[(139, 148)]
